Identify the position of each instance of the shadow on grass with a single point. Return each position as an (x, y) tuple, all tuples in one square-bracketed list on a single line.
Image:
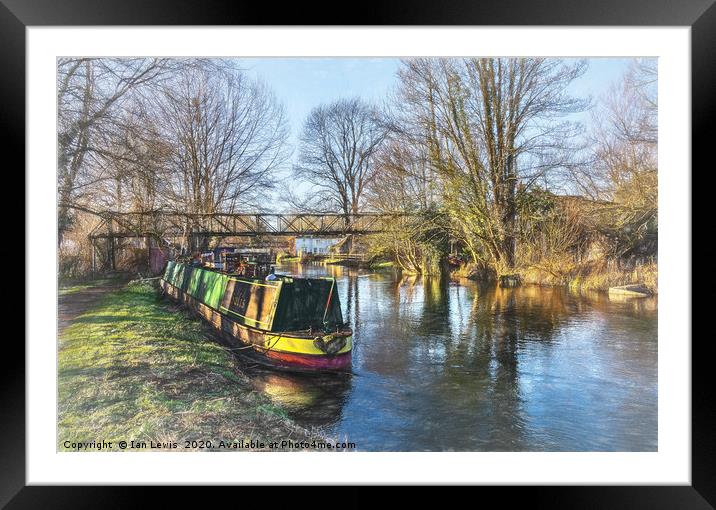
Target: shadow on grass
[(115, 318), (134, 366)]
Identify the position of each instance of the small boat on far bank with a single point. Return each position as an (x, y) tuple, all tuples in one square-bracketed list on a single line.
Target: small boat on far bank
[(285, 322)]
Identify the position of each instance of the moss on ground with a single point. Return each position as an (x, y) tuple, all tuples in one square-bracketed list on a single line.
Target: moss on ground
[(137, 368)]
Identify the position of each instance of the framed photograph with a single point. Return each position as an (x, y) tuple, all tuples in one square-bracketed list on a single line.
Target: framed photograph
[(438, 246)]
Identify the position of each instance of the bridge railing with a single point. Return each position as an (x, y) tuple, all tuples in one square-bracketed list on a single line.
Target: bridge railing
[(167, 224)]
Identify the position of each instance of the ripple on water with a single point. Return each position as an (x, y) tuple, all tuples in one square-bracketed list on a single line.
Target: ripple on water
[(441, 366)]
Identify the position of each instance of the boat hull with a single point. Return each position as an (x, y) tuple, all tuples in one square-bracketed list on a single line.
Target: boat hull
[(285, 350)]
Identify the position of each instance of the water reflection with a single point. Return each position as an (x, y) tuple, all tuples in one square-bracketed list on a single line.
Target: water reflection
[(440, 365), (313, 400)]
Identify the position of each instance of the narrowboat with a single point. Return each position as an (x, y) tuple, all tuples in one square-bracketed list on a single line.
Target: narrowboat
[(281, 321)]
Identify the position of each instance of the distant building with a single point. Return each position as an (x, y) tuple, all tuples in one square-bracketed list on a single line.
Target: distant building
[(314, 245)]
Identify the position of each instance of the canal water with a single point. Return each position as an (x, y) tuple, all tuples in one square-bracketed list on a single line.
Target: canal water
[(440, 365)]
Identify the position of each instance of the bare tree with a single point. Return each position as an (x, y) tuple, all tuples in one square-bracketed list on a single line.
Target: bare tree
[(634, 108), (624, 168), (226, 136), (90, 94), (338, 146), (138, 164), (416, 236), (406, 179), (492, 127)]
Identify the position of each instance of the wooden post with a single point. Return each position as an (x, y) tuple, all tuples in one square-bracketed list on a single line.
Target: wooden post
[(148, 240), (110, 247), (94, 257), (112, 262)]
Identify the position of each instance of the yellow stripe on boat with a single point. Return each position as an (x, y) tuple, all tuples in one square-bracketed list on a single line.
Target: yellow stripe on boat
[(299, 345), (249, 320)]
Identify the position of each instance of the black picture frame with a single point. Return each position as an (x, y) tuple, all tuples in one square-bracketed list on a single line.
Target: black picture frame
[(700, 15)]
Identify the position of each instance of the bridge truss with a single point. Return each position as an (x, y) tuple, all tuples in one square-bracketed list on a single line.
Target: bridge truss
[(163, 224), (190, 232)]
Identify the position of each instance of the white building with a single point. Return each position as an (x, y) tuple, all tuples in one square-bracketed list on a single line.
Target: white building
[(314, 245)]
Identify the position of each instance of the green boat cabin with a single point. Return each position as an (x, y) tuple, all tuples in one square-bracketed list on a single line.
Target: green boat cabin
[(282, 305)]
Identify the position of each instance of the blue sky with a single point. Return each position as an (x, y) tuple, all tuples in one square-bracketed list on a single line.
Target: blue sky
[(304, 83), (301, 84)]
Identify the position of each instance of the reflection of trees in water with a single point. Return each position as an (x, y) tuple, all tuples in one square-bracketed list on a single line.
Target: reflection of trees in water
[(480, 371), (402, 314), (310, 399), (430, 295), (484, 368), (476, 379), (501, 319), (635, 307), (527, 313), (435, 359), (352, 316)]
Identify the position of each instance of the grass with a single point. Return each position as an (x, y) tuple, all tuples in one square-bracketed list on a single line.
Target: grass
[(596, 276), (603, 279), (283, 258), (64, 291), (70, 287), (137, 368), (346, 262), (382, 265)]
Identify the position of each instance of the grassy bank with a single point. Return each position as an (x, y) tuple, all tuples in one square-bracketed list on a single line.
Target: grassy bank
[(73, 286), (284, 259), (587, 276), (382, 265), (345, 262), (595, 276), (135, 367), (364, 264)]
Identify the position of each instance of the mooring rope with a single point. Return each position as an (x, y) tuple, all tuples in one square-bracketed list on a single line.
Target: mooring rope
[(328, 302)]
